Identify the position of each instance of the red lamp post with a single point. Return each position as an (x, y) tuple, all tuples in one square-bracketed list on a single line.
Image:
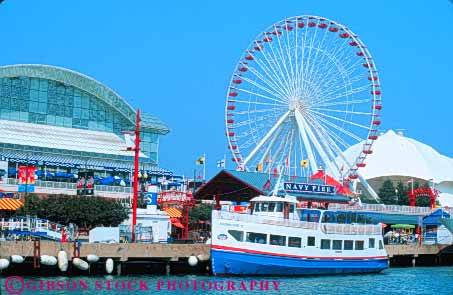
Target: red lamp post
[(136, 167)]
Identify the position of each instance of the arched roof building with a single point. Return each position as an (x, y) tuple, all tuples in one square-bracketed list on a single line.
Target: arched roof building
[(60, 118)]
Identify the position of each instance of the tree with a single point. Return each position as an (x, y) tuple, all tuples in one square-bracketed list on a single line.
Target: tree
[(200, 212), (401, 192), (84, 211), (387, 193)]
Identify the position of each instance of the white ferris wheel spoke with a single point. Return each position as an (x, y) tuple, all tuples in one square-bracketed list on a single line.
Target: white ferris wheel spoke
[(341, 111), (273, 91), (315, 142), (311, 157), (339, 103), (335, 126), (260, 95), (266, 137), (269, 78)]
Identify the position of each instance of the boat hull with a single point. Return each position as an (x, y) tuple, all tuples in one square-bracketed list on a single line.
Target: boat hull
[(243, 263)]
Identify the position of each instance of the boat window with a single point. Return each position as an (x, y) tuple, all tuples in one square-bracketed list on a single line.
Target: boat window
[(277, 240), (348, 244), (380, 245), (336, 244), (354, 218), (341, 218), (371, 243), (328, 217), (291, 208), (264, 206), (310, 215), (279, 207), (257, 207), (325, 244), (237, 235), (369, 220), (271, 206), (311, 241), (256, 238), (294, 242), (359, 245), (361, 219)]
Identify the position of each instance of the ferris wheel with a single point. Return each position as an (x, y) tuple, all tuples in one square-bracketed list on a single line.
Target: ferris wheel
[(305, 90)]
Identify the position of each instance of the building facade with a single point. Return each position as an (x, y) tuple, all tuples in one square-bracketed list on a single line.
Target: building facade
[(62, 121)]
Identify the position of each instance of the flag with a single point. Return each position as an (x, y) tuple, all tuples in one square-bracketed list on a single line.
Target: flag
[(200, 160), (268, 159), (267, 185), (287, 161), (259, 168), (275, 172), (304, 163), (221, 163)]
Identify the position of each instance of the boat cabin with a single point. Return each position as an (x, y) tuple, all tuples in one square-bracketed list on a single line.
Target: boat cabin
[(273, 206), (287, 208)]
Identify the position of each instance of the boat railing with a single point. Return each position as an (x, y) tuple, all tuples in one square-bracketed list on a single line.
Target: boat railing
[(32, 225), (73, 186), (382, 208), (351, 229), (225, 215)]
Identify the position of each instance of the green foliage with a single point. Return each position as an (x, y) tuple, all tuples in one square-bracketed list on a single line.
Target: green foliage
[(401, 192), (387, 193), (84, 211), (200, 212)]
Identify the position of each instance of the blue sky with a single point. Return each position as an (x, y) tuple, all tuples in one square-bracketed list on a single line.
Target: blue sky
[(174, 59)]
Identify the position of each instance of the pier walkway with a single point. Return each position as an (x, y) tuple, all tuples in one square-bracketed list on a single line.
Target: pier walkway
[(121, 252)]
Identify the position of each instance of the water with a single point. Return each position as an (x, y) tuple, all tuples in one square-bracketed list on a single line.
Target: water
[(408, 281)]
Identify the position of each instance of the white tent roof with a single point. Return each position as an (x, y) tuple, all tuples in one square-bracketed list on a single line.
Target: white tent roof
[(72, 139), (395, 154)]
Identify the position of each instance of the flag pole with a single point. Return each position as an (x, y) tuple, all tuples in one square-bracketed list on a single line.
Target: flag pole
[(224, 161), (204, 166)]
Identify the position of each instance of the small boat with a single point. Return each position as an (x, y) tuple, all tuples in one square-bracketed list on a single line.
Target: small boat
[(276, 237)]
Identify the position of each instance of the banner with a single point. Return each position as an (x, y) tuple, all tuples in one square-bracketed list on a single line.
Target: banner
[(26, 179)]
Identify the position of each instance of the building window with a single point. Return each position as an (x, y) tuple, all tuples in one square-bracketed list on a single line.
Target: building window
[(237, 235), (336, 244), (371, 243), (311, 241), (325, 244), (359, 245), (257, 238), (277, 240), (294, 242), (348, 245)]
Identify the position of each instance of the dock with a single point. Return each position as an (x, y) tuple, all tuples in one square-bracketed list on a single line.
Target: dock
[(161, 259), (128, 258)]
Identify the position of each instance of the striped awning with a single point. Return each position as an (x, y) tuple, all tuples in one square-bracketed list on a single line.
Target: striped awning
[(173, 212), (10, 204)]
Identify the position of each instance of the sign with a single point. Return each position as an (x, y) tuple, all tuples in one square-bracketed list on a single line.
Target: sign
[(309, 188), (222, 237), (173, 196)]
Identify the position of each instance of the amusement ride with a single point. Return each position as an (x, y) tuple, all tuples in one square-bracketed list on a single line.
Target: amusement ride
[(305, 90)]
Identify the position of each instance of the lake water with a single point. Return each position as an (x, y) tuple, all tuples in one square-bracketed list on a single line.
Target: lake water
[(408, 281)]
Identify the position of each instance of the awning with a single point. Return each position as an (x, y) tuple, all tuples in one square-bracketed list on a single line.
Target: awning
[(402, 226), (10, 204), (173, 212), (176, 222)]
